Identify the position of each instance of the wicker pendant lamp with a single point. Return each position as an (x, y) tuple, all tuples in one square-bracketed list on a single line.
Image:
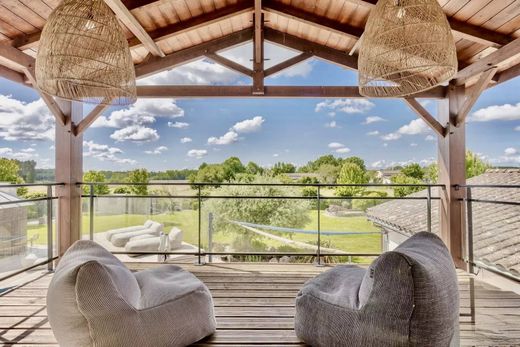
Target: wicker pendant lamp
[(407, 47), (84, 56)]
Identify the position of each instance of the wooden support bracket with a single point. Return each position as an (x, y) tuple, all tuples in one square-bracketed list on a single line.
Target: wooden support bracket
[(90, 118), (426, 116)]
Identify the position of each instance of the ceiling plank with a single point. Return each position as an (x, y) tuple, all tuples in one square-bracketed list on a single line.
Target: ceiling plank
[(426, 116), (483, 64), (199, 91), (287, 63), (134, 26), (475, 92), (156, 64), (90, 118), (230, 64), (470, 32), (320, 51)]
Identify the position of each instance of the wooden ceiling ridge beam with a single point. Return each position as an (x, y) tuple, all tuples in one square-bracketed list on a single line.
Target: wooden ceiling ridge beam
[(287, 63), (201, 91), (426, 116), (156, 64), (468, 31), (128, 19), (258, 48), (506, 52), (320, 51), (229, 64), (474, 93)]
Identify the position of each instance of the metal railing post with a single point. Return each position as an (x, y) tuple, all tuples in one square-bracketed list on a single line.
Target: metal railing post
[(199, 261), (319, 226), (50, 243), (210, 236), (469, 229), (91, 213), (429, 210)]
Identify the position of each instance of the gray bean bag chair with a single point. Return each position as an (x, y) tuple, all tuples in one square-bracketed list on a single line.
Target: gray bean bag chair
[(94, 300), (109, 234), (120, 240), (151, 243), (407, 297)]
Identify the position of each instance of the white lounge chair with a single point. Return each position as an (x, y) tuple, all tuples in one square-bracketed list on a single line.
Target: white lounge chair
[(109, 234), (142, 243), (121, 239)]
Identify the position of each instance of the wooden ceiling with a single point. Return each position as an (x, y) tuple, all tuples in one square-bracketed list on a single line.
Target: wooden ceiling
[(180, 31)]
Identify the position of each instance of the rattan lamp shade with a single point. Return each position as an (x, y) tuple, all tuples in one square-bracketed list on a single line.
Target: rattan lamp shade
[(83, 55), (407, 47)]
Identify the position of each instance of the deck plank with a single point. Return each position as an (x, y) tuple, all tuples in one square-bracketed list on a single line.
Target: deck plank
[(254, 305)]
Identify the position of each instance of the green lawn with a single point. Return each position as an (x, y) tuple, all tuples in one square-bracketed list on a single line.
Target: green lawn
[(187, 220)]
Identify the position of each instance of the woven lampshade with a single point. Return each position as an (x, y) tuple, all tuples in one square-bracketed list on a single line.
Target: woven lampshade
[(84, 56), (407, 47)]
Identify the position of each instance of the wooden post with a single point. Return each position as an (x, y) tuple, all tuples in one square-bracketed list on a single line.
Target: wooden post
[(452, 170), (69, 170)]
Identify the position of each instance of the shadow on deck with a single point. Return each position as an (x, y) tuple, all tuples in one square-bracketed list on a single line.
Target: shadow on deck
[(254, 305)]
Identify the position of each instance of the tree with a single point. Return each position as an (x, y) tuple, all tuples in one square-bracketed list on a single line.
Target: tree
[(351, 173), (313, 166), (356, 160), (329, 173), (210, 173), (403, 179), (413, 170), (431, 173), (475, 165), (28, 170), (9, 170), (254, 169), (282, 168), (95, 176), (232, 167), (138, 176)]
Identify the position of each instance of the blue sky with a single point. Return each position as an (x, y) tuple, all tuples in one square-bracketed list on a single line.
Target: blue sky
[(166, 134)]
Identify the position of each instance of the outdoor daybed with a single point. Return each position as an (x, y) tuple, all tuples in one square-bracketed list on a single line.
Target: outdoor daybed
[(150, 243), (121, 239), (94, 300), (109, 234), (407, 297)]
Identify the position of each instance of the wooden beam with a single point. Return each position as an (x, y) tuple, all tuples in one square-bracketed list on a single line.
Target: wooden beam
[(287, 63), (328, 24), (12, 75), (475, 92), (452, 164), (320, 51), (86, 122), (155, 64), (15, 57), (426, 116), (470, 32), (69, 171), (230, 64), (258, 49), (134, 26), (506, 75), (483, 64), (200, 91)]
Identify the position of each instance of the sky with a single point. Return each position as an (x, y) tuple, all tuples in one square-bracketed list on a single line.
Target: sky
[(160, 134)]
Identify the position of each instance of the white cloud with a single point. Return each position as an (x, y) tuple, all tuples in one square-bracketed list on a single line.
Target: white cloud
[(429, 138), (385, 144), (197, 72), (343, 150), (276, 155), (178, 125), (496, 112), (157, 150), (186, 140), (197, 153), (335, 145), (23, 154), (249, 125), (331, 124), (510, 151), (413, 144), (391, 137), (373, 119), (226, 139), (517, 128), (105, 153), (415, 127), (25, 121), (135, 133), (345, 105), (373, 133)]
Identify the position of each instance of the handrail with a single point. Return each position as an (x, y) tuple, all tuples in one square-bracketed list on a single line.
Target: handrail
[(20, 185)]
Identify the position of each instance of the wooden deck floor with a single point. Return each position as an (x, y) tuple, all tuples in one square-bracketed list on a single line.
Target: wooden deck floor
[(254, 304)]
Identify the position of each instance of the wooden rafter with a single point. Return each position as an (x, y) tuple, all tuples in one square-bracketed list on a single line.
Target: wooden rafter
[(426, 116), (134, 26), (230, 64), (12, 75), (155, 64), (49, 100), (287, 63), (470, 32), (198, 91), (506, 75), (475, 92), (483, 64), (90, 118), (320, 51), (258, 49)]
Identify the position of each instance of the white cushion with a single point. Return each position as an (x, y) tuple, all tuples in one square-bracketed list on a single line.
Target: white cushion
[(120, 240)]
